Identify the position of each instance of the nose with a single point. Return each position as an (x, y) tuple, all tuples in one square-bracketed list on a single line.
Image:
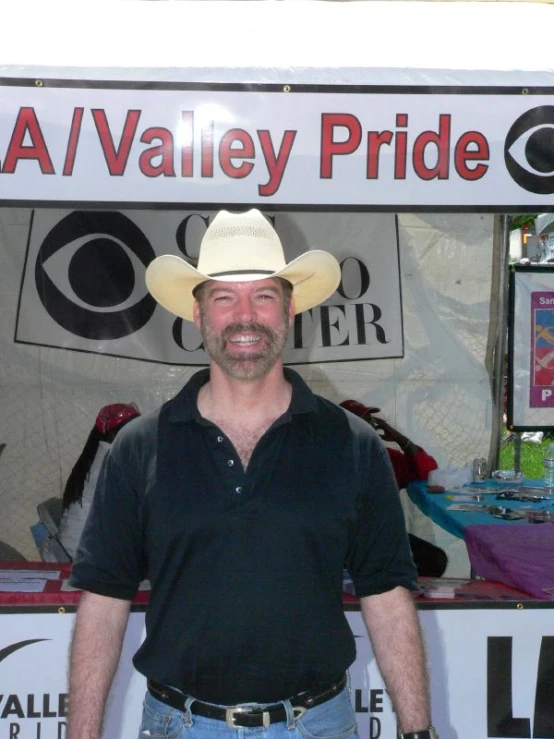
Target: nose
[(245, 309)]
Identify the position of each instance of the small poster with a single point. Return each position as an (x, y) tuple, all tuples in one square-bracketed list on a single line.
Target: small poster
[(542, 349), (530, 397)]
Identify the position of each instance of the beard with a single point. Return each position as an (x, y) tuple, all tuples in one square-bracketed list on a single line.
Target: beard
[(244, 366)]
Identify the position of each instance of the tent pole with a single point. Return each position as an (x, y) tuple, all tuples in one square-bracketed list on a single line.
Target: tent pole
[(496, 344)]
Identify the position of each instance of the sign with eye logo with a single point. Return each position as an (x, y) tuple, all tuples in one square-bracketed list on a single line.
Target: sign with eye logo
[(83, 288), (405, 148)]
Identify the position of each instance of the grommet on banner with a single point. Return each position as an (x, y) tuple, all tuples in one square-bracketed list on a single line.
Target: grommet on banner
[(61, 609), (39, 83), (525, 91), (520, 606), (286, 88)]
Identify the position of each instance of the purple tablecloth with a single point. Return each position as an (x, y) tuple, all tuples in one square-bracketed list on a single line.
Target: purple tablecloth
[(521, 556)]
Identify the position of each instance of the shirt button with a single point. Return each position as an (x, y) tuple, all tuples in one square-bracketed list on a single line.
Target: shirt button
[(220, 439), (231, 462), (238, 490)]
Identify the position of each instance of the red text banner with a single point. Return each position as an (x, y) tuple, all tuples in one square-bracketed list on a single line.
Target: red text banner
[(372, 149)]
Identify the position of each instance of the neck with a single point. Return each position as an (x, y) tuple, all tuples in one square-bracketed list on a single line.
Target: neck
[(227, 397)]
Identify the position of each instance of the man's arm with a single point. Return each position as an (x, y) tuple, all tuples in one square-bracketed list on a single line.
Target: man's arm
[(95, 650), (393, 626)]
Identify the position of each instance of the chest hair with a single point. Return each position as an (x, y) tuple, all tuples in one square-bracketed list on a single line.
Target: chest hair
[(244, 438)]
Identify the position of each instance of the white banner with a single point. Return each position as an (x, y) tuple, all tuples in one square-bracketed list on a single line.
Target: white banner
[(84, 289), (89, 142), (491, 676)]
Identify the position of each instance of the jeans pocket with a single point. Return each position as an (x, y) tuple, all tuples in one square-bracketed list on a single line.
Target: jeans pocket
[(160, 721), (334, 719)]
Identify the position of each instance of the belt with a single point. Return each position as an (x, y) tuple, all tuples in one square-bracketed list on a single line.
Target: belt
[(247, 716)]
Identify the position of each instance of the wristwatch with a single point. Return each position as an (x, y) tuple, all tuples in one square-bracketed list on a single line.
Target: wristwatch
[(429, 733)]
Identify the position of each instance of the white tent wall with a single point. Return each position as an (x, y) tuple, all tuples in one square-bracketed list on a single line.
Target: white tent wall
[(438, 394)]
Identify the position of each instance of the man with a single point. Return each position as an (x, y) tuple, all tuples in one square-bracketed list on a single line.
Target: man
[(241, 500)]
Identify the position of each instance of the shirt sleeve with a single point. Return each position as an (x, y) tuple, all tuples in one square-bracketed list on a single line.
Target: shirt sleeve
[(110, 559), (379, 557)]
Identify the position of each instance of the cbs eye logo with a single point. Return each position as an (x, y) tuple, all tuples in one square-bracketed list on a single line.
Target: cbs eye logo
[(89, 275), (529, 150)]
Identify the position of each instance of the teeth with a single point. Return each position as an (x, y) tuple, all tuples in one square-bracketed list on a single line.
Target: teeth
[(244, 340)]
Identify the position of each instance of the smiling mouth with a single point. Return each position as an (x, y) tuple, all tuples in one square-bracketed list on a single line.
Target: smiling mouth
[(244, 340)]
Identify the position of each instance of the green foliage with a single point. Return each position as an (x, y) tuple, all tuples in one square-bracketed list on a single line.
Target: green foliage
[(523, 219), (531, 460)]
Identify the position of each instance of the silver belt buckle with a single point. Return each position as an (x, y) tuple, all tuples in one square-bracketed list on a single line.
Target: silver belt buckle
[(230, 716)]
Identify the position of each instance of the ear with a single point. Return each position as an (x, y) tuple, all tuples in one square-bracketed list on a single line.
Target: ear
[(292, 312), (196, 313)]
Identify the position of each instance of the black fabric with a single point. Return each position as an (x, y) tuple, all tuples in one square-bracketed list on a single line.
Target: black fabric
[(245, 566), (430, 560)]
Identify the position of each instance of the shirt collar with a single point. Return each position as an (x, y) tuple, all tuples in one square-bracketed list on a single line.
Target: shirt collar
[(183, 407)]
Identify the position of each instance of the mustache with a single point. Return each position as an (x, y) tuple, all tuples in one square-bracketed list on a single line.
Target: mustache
[(237, 328)]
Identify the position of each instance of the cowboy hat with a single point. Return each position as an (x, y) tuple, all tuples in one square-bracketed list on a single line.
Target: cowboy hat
[(241, 247)]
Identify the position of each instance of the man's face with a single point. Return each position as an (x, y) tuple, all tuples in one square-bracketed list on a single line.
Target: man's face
[(244, 325)]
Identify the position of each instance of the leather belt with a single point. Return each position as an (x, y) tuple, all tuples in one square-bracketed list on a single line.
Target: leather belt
[(247, 716)]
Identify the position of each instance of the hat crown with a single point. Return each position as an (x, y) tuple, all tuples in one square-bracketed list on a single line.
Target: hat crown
[(240, 242)]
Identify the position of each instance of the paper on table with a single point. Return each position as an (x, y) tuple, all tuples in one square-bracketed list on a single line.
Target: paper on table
[(470, 507), (435, 587), (27, 585), (30, 574)]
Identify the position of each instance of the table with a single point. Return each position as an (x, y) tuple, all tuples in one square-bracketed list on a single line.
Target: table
[(55, 593), (521, 556), (464, 649), (437, 506), (515, 552)]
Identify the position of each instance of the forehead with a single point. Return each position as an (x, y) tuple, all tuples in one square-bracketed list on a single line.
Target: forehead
[(269, 283)]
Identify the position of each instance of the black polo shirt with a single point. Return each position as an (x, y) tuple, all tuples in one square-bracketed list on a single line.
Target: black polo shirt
[(245, 566)]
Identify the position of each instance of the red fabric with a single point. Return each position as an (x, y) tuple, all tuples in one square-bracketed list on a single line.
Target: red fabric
[(112, 416), (408, 468)]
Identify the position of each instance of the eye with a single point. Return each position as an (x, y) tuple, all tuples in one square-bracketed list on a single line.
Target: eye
[(529, 150), (89, 275)]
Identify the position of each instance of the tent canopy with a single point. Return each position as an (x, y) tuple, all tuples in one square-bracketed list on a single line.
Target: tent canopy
[(375, 43), (438, 393), (544, 224)]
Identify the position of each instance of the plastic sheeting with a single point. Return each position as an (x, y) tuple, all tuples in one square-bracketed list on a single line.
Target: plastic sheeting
[(438, 394)]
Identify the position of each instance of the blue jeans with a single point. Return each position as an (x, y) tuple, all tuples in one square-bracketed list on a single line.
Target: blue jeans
[(334, 719)]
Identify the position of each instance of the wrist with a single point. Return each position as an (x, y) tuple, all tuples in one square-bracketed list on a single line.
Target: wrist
[(429, 733), (407, 446)]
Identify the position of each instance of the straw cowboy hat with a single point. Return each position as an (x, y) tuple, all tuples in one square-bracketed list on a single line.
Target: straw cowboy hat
[(241, 247)]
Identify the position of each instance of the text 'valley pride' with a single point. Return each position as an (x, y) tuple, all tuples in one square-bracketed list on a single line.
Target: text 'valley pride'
[(203, 151)]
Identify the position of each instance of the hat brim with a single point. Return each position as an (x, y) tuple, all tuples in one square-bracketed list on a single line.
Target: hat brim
[(315, 275)]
